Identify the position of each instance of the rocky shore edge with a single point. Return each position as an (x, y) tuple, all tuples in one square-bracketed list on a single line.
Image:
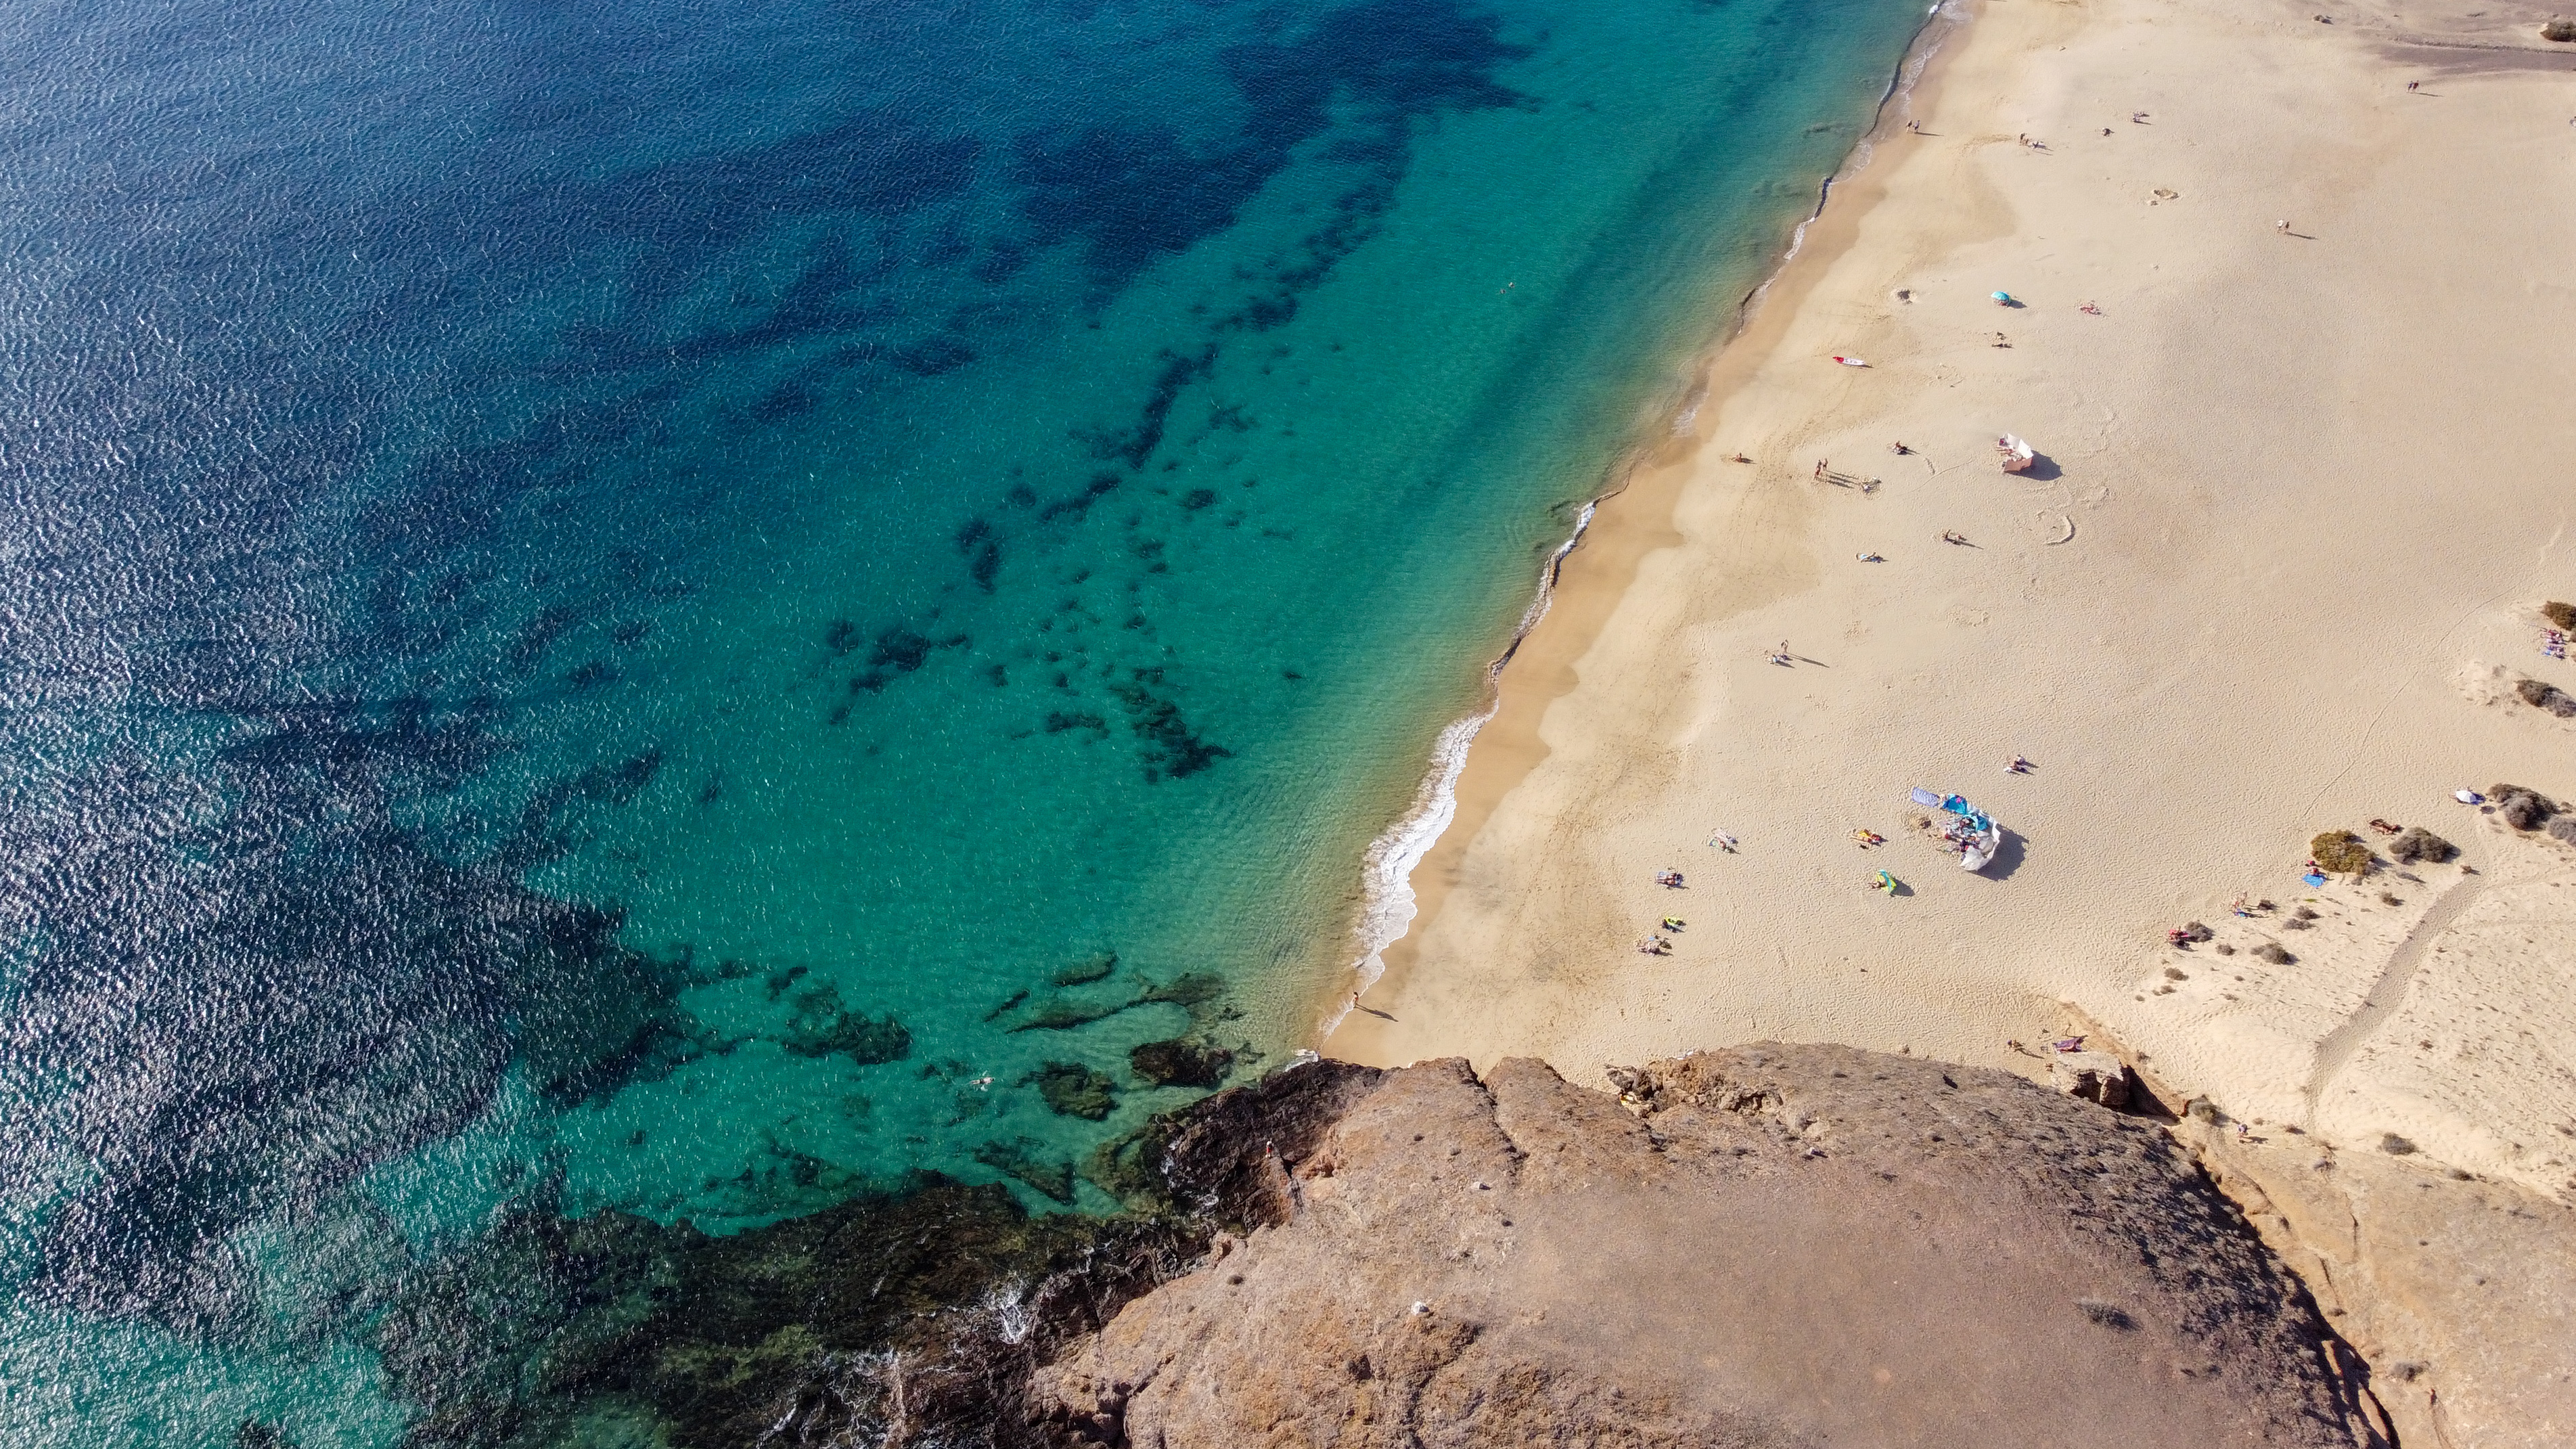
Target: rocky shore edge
[(1763, 1245)]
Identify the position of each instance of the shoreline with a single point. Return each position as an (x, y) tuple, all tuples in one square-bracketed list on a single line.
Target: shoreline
[(2281, 299), (1593, 569), (2190, 614)]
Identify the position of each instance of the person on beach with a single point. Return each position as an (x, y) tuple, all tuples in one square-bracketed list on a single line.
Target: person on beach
[(2282, 227)]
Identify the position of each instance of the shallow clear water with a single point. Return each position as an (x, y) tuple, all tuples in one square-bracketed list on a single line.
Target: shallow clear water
[(657, 606)]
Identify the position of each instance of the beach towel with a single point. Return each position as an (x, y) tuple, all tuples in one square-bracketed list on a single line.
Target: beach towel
[(1925, 797)]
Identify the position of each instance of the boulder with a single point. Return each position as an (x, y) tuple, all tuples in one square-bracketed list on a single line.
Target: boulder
[(1180, 1062), (2094, 1076)]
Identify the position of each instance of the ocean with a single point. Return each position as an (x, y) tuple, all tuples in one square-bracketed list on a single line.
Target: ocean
[(687, 614)]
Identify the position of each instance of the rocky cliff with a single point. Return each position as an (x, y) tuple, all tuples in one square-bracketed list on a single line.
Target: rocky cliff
[(1764, 1246)]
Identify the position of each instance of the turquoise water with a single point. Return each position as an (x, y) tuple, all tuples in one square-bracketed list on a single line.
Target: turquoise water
[(663, 607)]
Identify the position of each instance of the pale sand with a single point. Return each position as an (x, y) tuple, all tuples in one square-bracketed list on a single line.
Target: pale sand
[(2318, 485)]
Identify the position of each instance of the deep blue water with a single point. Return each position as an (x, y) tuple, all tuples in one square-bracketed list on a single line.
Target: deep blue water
[(692, 608)]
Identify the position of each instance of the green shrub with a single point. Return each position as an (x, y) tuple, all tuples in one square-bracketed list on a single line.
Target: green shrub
[(2340, 851)]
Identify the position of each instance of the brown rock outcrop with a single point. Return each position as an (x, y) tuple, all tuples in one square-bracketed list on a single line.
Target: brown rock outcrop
[(2093, 1076), (2461, 1292), (1764, 1246)]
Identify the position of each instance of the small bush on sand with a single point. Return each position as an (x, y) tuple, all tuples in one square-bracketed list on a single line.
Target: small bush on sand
[(2563, 829), (2540, 695), (2521, 808), (2562, 615), (2561, 31), (2416, 843), (2340, 851), (2272, 951), (2522, 812)]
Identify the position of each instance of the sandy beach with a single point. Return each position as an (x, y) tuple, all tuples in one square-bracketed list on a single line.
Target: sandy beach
[(2294, 314)]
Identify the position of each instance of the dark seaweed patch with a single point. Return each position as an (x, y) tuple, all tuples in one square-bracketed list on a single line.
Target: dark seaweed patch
[(791, 399), (1137, 442), (820, 1026), (1170, 746), (981, 543), (932, 358), (549, 822), (1061, 721), (897, 652), (1135, 195), (538, 635), (1095, 967), (1079, 505), (1064, 1014)]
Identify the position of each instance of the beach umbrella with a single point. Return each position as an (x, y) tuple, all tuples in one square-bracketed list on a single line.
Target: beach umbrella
[(2003, 296)]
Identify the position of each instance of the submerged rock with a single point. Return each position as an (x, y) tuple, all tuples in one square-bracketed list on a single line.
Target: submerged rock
[(1074, 1090), (1180, 1062), (1023, 1159)]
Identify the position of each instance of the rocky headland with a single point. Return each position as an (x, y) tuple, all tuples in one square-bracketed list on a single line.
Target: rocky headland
[(1767, 1245)]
